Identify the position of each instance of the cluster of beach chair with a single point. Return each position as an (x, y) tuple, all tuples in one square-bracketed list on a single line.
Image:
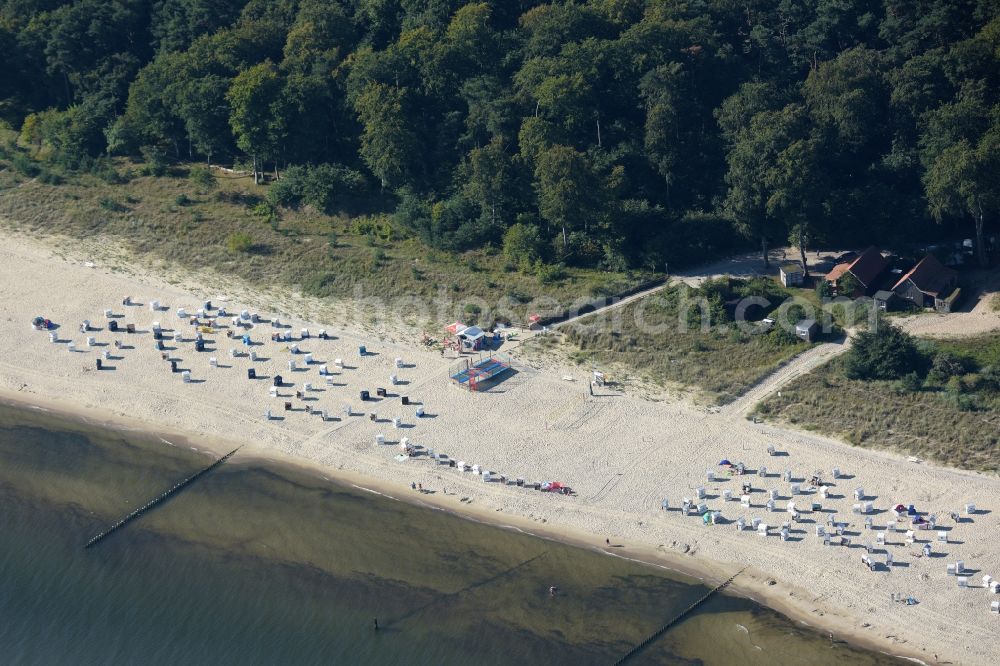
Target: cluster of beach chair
[(902, 527)]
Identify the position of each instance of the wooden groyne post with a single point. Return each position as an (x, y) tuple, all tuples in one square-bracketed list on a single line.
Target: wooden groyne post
[(159, 498), (684, 613)]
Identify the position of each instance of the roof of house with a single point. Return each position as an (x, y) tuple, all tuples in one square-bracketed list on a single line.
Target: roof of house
[(805, 324), (929, 276), (837, 272), (883, 295), (868, 266), (792, 267)]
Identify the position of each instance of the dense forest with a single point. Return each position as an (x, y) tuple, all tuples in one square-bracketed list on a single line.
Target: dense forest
[(599, 133)]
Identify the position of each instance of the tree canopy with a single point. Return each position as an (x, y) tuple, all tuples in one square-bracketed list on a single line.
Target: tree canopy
[(615, 132)]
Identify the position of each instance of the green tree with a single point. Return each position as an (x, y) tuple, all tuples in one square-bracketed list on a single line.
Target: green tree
[(491, 180), (567, 189), (388, 144), (257, 116), (961, 155), (886, 353), (523, 244)]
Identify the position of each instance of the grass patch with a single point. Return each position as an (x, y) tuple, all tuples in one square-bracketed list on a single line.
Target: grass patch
[(187, 219), (661, 338), (954, 421)]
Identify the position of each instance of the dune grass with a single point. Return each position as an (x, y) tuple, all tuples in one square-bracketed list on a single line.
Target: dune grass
[(933, 422), (355, 254), (661, 338)]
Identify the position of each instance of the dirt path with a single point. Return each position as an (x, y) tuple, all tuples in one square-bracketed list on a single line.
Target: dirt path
[(798, 366)]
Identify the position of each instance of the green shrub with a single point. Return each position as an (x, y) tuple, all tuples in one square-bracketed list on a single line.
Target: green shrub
[(182, 200), (888, 354), (319, 284), (549, 274), (201, 177), (239, 242), (522, 244), (107, 203), (910, 382), (155, 159)]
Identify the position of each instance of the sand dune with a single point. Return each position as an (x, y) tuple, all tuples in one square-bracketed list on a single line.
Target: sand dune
[(621, 454)]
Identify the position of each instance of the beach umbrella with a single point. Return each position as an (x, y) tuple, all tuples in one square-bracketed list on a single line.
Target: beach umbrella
[(725, 461)]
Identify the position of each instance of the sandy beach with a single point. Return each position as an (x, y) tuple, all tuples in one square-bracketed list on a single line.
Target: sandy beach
[(622, 454)]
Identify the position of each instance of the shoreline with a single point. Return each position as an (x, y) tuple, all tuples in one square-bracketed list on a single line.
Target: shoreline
[(621, 453), (704, 572)]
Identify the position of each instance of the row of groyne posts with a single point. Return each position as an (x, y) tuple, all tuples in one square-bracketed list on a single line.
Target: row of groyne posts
[(197, 475), (683, 614), (158, 499)]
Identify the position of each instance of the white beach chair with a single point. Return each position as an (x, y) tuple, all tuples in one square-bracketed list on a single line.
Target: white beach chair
[(770, 505), (213, 361), (399, 362), (762, 472), (700, 492), (836, 472), (796, 488), (396, 422), (745, 500), (380, 438), (762, 529), (970, 509), (741, 524), (880, 538), (960, 566), (995, 606), (339, 362), (950, 569), (859, 494), (942, 536), (91, 341), (291, 366), (786, 476), (727, 495), (307, 359), (772, 494), (963, 581), (186, 376)]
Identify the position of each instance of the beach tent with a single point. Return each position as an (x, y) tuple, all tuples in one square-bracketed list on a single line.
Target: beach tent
[(455, 328), (725, 462), (473, 338)]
